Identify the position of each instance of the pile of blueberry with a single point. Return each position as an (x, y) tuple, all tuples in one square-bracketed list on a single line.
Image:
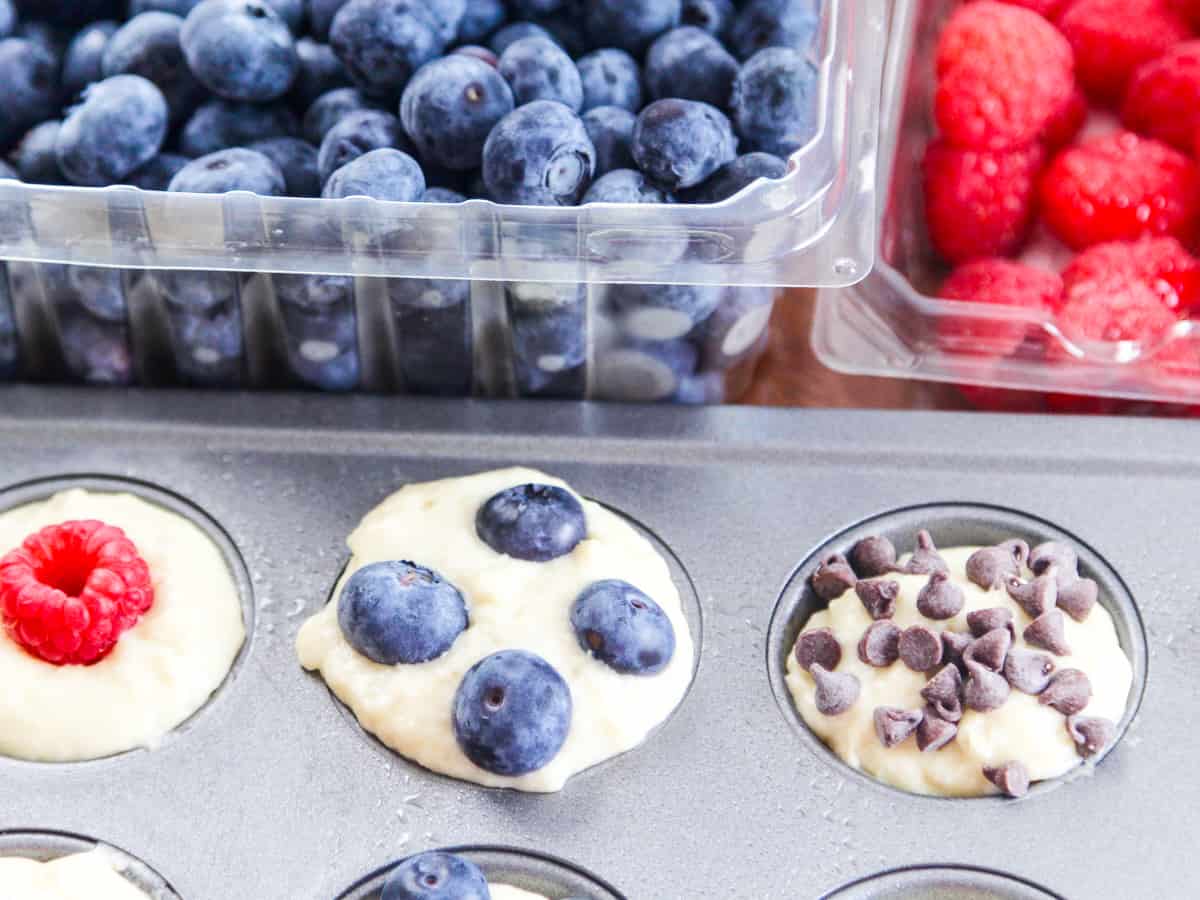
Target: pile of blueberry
[(513, 710)]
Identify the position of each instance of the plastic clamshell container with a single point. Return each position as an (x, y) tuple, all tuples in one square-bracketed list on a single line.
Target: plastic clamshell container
[(473, 298), (893, 324)]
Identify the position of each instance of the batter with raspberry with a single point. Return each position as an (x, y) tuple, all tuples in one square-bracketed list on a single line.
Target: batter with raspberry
[(90, 875), (119, 620)]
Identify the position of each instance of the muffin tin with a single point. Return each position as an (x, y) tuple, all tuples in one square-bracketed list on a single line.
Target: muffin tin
[(272, 792)]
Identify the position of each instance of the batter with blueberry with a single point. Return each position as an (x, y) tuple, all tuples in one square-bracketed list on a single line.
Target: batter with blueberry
[(501, 629), (438, 875)]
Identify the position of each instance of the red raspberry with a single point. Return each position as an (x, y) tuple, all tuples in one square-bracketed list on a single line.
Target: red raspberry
[(998, 282), (1083, 405), (1163, 97), (1111, 38), (69, 592), (1003, 400), (1003, 73), (1162, 264), (1048, 8), (1067, 123), (1119, 187), (979, 203), (1189, 9)]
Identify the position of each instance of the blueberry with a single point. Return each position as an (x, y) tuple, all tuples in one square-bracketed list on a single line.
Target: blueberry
[(737, 328), (512, 713), (510, 34), (567, 29), (178, 7), (8, 173), (483, 54), (774, 101), (330, 108), (446, 16), (355, 134), (120, 125), (435, 876), (236, 169), (205, 319), (36, 156), (96, 352), (99, 292), (219, 125), (240, 49), (198, 291), (8, 18), (731, 179), (548, 330), (320, 72), (533, 522), (714, 16), (156, 175), (297, 160), (631, 24), (481, 18), (450, 107), (644, 371), (531, 9), (540, 155), (611, 131), (148, 45), (433, 332), (83, 62), (291, 11), (29, 73), (624, 186), (610, 77), (385, 174), (442, 195), (690, 63), (383, 42), (662, 312), (680, 143), (537, 68), (774, 23), (701, 389), (623, 628), (52, 39), (69, 13)]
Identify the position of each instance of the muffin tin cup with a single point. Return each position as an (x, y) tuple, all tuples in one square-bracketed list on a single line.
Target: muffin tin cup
[(941, 883), (45, 846)]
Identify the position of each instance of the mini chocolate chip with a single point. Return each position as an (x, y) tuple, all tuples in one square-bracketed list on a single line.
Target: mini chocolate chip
[(953, 645), (925, 560), (873, 556), (920, 648), (941, 598), (1012, 778), (1035, 597), (880, 644), (943, 692), (832, 578), (1090, 734), (981, 621), (1069, 691), (1062, 557), (836, 691), (934, 733), (1027, 670), (818, 646), (990, 567), (990, 650), (1048, 631), (894, 725), (879, 597), (985, 690), (1078, 598)]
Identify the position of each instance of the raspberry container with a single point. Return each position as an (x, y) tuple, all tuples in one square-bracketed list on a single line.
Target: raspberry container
[(123, 286), (889, 323)]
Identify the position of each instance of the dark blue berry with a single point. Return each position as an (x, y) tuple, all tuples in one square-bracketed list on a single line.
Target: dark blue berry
[(219, 125), (450, 107), (611, 131), (483, 54), (83, 62), (734, 177), (156, 175), (531, 9), (29, 73), (446, 16), (7, 173), (399, 612), (178, 7), (624, 186), (320, 16), (383, 42), (291, 11), (549, 350), (774, 23), (240, 49), (540, 155), (775, 101), (119, 127), (510, 34), (100, 292), (610, 77), (433, 327), (481, 18), (385, 174), (330, 108), (714, 16), (662, 312), (297, 160), (737, 328), (680, 143), (568, 31), (208, 343), (623, 628), (355, 134), (95, 352), (36, 156), (631, 24), (442, 195), (533, 522), (148, 45), (70, 13), (8, 18), (644, 371), (701, 389), (319, 73), (236, 169), (537, 68), (512, 713), (435, 876), (690, 63)]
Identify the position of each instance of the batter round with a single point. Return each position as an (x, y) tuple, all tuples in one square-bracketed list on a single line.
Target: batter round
[(512, 604), (508, 892), (160, 672), (91, 875), (1020, 730)]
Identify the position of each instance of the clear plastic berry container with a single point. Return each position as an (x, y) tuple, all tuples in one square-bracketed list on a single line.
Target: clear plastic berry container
[(475, 298), (892, 322)]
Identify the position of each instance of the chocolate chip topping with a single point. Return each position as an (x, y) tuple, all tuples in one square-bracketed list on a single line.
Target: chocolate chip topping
[(920, 648), (990, 567), (925, 560), (1012, 778), (880, 644), (1077, 598), (818, 646), (1069, 691), (985, 690), (1090, 734), (990, 650), (1035, 597), (1048, 631), (894, 725), (836, 691), (941, 598), (934, 733), (943, 693), (879, 597), (1061, 557), (981, 621), (953, 645), (873, 556), (832, 578), (1027, 670)]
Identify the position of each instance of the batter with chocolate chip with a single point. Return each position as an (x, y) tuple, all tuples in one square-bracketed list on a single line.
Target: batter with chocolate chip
[(959, 672)]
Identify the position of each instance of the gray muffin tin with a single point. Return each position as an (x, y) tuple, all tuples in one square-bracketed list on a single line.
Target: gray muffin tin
[(272, 792)]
